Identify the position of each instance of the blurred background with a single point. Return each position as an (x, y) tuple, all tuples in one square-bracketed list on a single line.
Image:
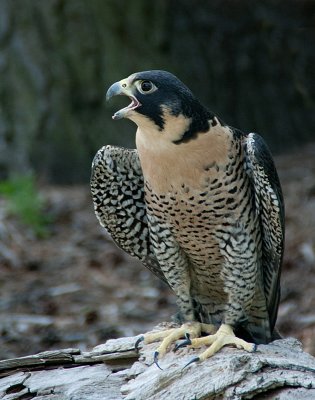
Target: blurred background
[(63, 282)]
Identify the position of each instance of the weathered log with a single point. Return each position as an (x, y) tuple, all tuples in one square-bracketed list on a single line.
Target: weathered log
[(115, 370)]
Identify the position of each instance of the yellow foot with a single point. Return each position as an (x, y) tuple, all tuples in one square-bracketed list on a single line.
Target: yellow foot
[(169, 336), (223, 337)]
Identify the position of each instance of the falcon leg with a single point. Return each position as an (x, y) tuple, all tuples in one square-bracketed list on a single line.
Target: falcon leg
[(176, 268), (224, 336), (240, 279)]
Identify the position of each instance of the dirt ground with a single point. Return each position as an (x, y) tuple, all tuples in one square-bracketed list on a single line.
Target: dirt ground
[(75, 288)]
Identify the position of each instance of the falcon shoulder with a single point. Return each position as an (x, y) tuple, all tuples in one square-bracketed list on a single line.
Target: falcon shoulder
[(270, 206), (118, 198)]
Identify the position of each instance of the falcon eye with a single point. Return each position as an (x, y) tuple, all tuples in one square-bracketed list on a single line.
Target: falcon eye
[(146, 87)]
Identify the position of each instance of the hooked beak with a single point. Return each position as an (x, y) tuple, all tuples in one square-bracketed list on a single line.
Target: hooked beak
[(123, 88), (114, 90)]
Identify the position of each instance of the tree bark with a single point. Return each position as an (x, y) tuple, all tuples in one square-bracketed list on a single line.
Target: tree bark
[(115, 370)]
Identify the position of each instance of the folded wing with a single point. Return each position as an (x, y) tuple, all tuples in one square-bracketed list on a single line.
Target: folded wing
[(118, 197), (270, 206)]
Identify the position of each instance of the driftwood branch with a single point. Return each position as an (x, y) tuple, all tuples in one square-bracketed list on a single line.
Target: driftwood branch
[(115, 370)]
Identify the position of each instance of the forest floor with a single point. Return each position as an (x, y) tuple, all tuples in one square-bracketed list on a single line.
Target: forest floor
[(75, 288)]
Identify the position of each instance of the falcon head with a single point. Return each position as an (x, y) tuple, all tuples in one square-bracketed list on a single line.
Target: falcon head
[(160, 100)]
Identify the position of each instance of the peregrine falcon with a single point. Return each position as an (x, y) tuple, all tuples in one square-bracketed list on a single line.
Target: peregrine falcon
[(199, 203)]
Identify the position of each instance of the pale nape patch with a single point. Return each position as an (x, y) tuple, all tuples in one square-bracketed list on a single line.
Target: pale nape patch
[(166, 166)]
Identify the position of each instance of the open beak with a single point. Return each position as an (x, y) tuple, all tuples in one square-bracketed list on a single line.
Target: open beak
[(123, 88)]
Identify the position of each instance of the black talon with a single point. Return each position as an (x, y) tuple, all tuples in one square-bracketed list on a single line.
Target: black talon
[(184, 343), (156, 358), (196, 359), (141, 339)]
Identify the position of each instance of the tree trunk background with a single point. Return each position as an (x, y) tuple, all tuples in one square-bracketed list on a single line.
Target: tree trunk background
[(115, 371), (251, 62)]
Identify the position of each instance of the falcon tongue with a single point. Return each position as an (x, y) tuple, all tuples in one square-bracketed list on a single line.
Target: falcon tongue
[(132, 106)]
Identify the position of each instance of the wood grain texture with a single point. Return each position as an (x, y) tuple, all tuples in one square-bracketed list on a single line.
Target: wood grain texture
[(114, 371)]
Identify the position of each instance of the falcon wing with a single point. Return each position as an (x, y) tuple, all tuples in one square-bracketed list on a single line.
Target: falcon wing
[(118, 197), (270, 206)]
